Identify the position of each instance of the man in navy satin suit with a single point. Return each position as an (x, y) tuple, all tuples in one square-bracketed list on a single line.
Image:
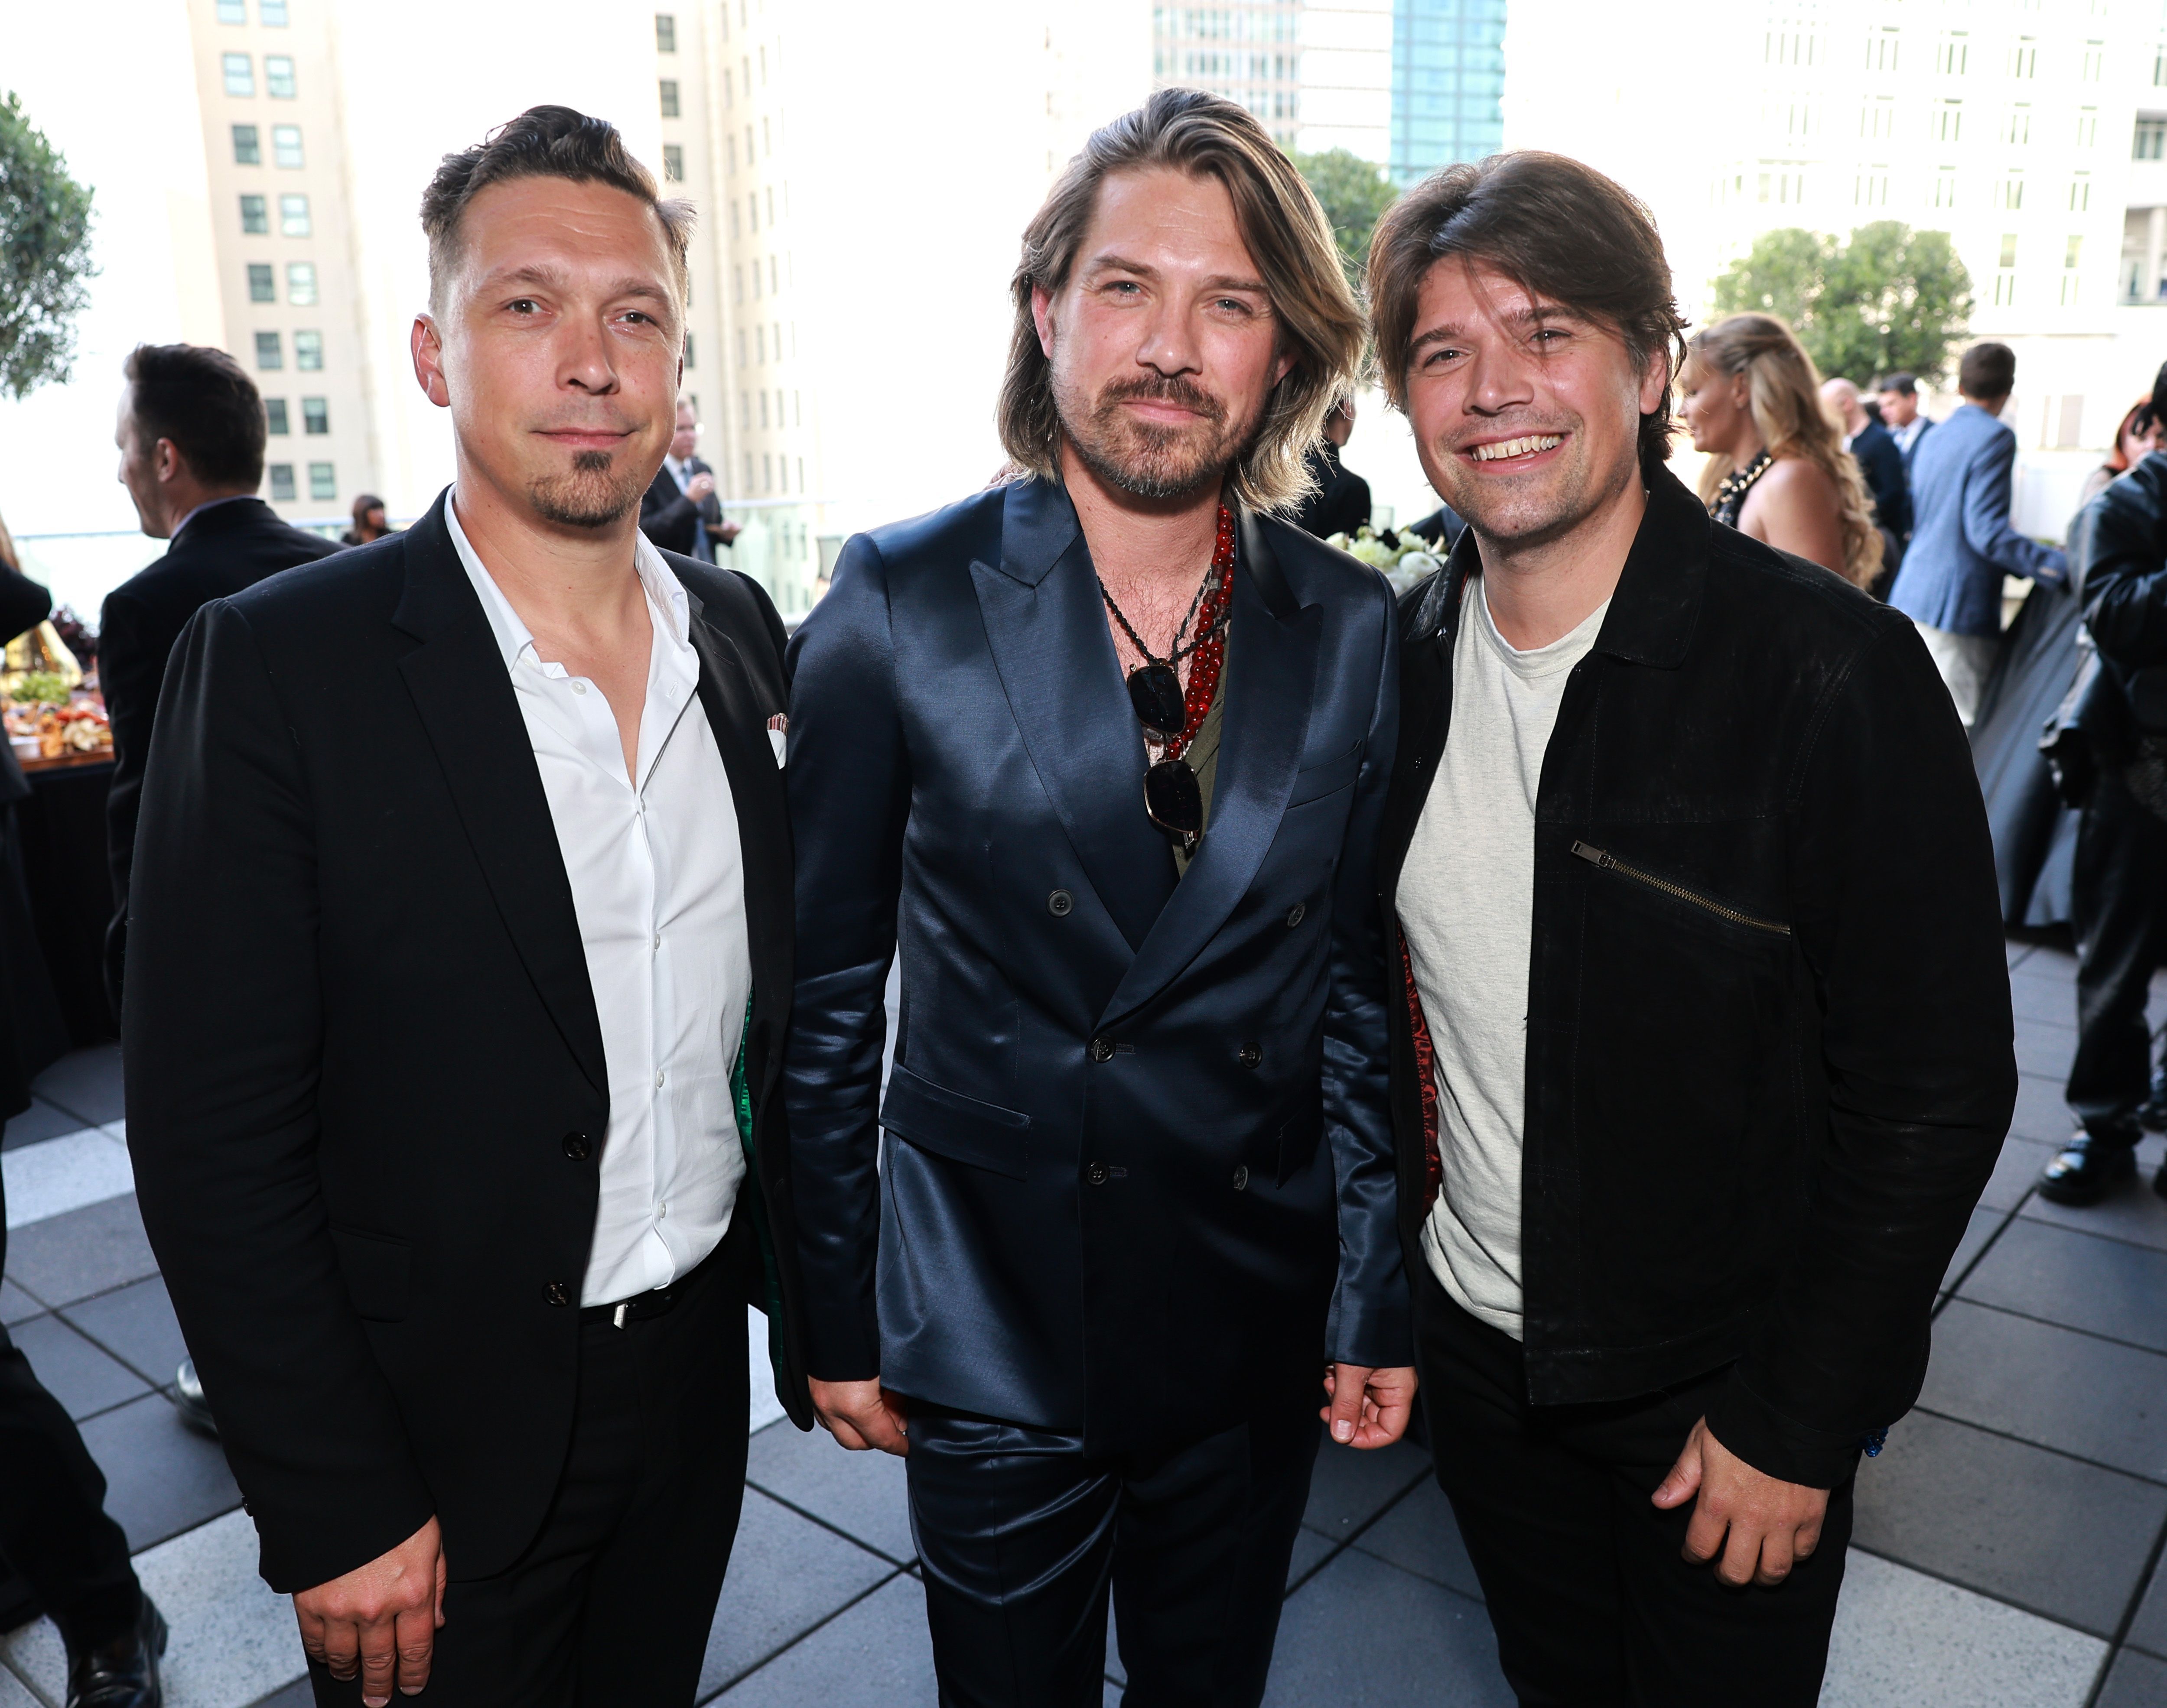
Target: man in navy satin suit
[(1101, 753)]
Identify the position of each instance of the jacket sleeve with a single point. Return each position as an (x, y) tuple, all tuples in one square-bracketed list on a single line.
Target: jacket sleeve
[(1892, 488), (661, 517), (1986, 517), (1371, 1319), (1899, 924), (222, 1046), (850, 794), (2124, 558)]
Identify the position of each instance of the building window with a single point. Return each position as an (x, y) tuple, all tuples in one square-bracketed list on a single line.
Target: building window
[(763, 412), (747, 479), (665, 32), (2024, 57), (278, 76), (2017, 128), (2087, 126), (689, 361), (240, 73), (1948, 122), (2151, 142), (673, 162), (669, 89), (233, 11), (733, 141), (2008, 256), (262, 282), (1881, 49), (767, 473), (273, 13), (301, 283), (1945, 188), (2004, 290), (1877, 118), (247, 151), (1953, 53), (286, 145), (2080, 193), (309, 351), (323, 480), (294, 216), (282, 483), (759, 356), (269, 356), (1870, 189), (2073, 254), (752, 209), (274, 417), (2009, 193), (255, 216), (315, 416)]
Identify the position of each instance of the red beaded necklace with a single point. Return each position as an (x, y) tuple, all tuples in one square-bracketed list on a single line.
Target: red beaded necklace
[(1210, 656)]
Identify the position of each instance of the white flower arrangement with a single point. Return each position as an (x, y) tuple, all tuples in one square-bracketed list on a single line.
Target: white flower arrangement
[(1404, 558)]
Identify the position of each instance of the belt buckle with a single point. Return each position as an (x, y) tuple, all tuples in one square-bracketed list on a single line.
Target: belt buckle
[(616, 1316)]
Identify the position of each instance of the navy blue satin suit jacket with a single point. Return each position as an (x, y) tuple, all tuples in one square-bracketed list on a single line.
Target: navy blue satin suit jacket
[(1138, 1171)]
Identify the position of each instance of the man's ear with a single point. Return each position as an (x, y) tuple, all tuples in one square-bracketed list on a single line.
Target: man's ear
[(166, 462), (1041, 316), (427, 345)]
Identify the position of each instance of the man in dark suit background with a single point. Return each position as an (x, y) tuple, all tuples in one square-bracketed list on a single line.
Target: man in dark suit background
[(460, 964), (1898, 397), (1880, 465), (1341, 502), (680, 512)]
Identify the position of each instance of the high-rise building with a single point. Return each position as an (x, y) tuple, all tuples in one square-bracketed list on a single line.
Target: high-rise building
[(1250, 53), (1447, 84)]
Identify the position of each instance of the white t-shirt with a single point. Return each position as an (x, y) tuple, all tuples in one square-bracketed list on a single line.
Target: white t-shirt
[(1466, 901)]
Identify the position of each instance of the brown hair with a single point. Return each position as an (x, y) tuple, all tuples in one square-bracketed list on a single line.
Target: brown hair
[(203, 401), (543, 142), (1288, 237), (1988, 371), (1560, 231), (1783, 389)]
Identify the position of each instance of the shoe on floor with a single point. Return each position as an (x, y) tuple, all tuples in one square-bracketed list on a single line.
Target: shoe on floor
[(188, 1396), (2087, 1169), (122, 1673)]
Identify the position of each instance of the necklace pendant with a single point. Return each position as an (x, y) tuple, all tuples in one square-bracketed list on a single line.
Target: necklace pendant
[(1155, 693)]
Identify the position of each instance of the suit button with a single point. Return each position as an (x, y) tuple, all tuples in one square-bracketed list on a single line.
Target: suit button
[(1295, 914), (557, 1292), (1102, 1050), (578, 1147), (1241, 1178), (1096, 1174), (1060, 904), (1249, 1054)]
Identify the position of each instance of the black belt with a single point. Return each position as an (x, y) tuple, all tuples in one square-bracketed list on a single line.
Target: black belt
[(641, 1306)]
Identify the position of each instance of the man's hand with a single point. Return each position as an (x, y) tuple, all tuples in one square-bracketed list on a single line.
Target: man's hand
[(862, 1415), (727, 533), (1369, 1408), (379, 1619), (698, 487), (1771, 1524)]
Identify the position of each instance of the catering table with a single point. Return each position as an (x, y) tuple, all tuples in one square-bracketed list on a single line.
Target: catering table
[(63, 830)]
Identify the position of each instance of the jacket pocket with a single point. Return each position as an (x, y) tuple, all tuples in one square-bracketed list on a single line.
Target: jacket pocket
[(950, 1124), (1678, 892), (1315, 782), (377, 1270)]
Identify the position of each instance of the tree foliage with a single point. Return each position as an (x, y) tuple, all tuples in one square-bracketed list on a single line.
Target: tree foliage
[(1888, 299), (1355, 193), (44, 255)]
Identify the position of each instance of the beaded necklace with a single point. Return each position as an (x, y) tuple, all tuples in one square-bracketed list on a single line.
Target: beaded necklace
[(1730, 494)]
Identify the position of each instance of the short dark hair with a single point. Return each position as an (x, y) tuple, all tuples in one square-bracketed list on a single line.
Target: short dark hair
[(1561, 231), (202, 401), (543, 142), (2160, 393), (363, 505), (1903, 384), (1988, 370)]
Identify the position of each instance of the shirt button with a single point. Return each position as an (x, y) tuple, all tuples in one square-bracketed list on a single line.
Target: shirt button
[(1249, 1054), (578, 686), (1102, 1050), (1241, 1178), (1295, 914), (558, 1293), (1096, 1174), (1060, 903), (661, 1209), (657, 1079), (578, 1147)]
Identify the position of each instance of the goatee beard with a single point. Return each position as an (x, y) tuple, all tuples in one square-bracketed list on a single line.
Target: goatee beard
[(591, 496)]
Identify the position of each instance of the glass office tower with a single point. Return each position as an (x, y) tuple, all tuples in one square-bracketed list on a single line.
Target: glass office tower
[(1447, 84)]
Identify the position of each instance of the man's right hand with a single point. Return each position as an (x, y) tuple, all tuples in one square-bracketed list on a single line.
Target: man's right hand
[(698, 487), (862, 1415), (380, 1619)]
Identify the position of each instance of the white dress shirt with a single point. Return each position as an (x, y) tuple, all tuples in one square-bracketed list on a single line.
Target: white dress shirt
[(658, 885)]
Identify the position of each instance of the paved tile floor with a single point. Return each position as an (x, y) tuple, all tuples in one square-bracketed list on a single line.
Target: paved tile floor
[(2007, 1551)]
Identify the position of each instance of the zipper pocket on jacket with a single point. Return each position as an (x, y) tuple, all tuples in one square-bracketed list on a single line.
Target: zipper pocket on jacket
[(1611, 863)]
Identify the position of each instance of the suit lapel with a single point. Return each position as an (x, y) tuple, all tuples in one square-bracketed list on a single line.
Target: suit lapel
[(1272, 651), (465, 699)]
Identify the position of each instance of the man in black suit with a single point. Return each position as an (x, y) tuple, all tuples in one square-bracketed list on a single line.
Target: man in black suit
[(460, 966), (1340, 503), (1880, 465), (191, 438), (1898, 397), (680, 512)]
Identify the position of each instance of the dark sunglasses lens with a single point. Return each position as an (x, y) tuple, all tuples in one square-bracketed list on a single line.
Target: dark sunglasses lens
[(1173, 798), (1155, 691)]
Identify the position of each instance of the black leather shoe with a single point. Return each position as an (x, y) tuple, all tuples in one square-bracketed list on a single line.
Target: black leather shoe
[(188, 1396), (123, 1672), (2087, 1169)]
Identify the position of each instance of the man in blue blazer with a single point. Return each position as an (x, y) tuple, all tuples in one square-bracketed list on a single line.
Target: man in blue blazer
[(1137, 1190), (1962, 543)]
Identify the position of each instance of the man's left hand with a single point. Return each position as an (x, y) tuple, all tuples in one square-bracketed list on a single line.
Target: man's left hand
[(1771, 1524), (1369, 1408), (726, 532)]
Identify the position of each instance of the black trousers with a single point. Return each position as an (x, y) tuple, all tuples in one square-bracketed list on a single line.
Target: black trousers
[(1593, 1602), (1019, 1534), (610, 1605), (54, 1532), (2118, 907)]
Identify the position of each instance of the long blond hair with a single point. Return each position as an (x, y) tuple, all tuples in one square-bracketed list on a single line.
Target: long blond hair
[(1783, 389)]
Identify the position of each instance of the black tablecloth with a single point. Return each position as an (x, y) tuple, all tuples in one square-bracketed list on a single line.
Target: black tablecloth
[(63, 833)]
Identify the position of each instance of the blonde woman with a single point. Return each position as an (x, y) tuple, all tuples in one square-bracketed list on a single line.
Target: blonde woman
[(1776, 468)]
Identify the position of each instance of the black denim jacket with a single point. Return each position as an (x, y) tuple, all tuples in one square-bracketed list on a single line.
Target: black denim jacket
[(1770, 1056)]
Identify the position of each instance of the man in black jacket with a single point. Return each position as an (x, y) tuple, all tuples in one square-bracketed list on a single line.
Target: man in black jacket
[(1706, 1051), (1340, 503), (680, 512), (460, 970), (191, 435)]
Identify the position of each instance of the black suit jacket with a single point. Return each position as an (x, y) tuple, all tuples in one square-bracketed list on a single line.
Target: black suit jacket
[(1341, 503), (218, 552), (360, 1039), (1881, 463), (667, 515)]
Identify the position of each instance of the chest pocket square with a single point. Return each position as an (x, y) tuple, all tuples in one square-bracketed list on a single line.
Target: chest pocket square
[(778, 737)]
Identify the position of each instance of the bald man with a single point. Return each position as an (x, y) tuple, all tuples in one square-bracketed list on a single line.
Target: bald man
[(1880, 460)]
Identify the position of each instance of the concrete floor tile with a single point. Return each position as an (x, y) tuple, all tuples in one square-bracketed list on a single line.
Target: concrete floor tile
[(297, 1695), (2065, 1540), (2045, 1049), (2053, 1386), (2015, 1172), (14, 1693), (1348, 1489), (1420, 1535), (41, 1120), (2148, 1630), (861, 1495), (875, 1654), (2041, 1114), (2134, 1681), (1984, 1224), (2013, 952), (1361, 1634), (2050, 1001), (2136, 1213), (161, 1477), (55, 1175), (35, 1653), (2104, 1286), (1903, 1640), (17, 1306), (86, 1082), (1311, 1551), (233, 1638), (786, 1574), (136, 1325), (86, 1251), (73, 1371)]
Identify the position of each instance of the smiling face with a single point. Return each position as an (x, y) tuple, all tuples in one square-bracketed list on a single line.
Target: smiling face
[(1163, 346), (556, 347), (1527, 416)]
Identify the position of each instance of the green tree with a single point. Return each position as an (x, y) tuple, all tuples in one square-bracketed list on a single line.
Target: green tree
[(1885, 299), (44, 255), (1355, 192)]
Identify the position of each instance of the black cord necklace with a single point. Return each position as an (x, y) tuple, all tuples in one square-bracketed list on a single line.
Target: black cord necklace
[(1155, 685)]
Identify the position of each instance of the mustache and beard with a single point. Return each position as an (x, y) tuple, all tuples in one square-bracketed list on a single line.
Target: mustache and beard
[(1151, 459), (595, 493)]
